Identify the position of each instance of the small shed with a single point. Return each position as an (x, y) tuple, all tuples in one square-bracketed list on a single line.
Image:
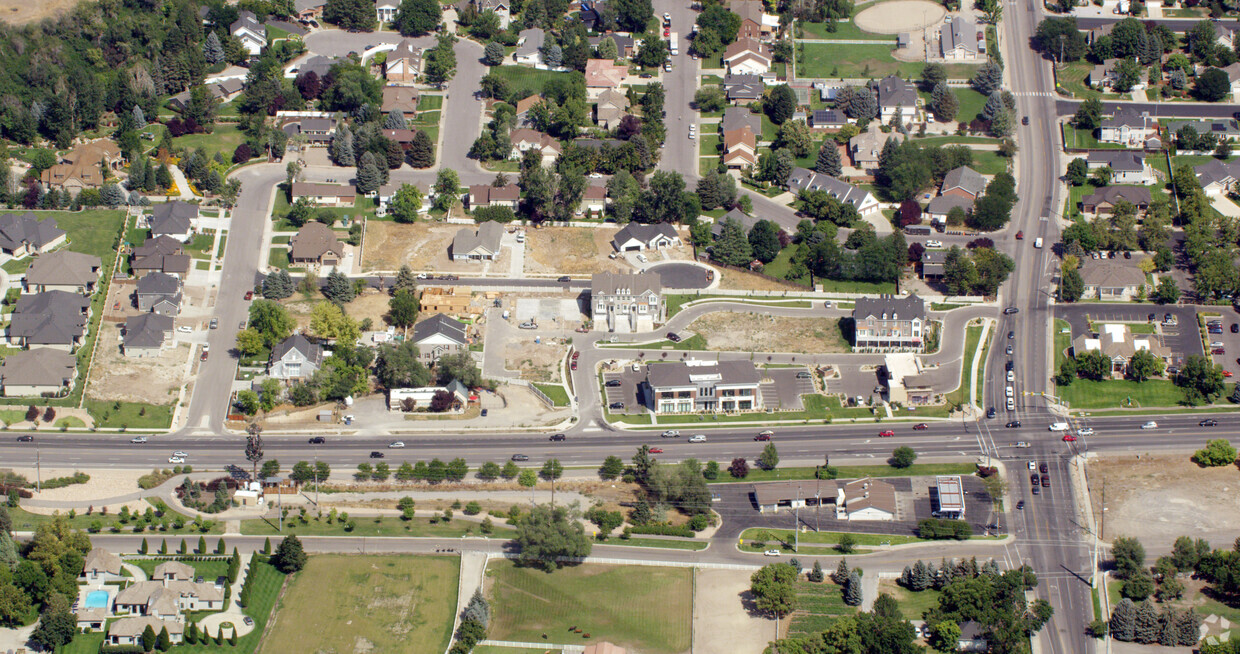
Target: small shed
[(327, 415)]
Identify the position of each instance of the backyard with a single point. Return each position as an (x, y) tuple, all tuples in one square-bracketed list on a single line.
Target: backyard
[(375, 603), (837, 60), (224, 140), (642, 608), (524, 81)]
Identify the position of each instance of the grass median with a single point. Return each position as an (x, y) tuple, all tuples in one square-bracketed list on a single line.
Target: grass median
[(850, 472)]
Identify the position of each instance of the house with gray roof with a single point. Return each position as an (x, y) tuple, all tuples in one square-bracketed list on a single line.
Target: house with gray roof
[(1217, 177), (895, 94), (55, 319), (160, 254), (963, 181), (26, 234), (296, 357), (146, 335), (804, 179), (745, 220), (315, 244), (890, 323), (635, 237), (1128, 128), (63, 271), (932, 263), (626, 302), (1126, 167), (958, 39), (1104, 199), (251, 33), (703, 386), (437, 336), (175, 219), (37, 372), (942, 205), (529, 46), (737, 117), (159, 293), (740, 88), (478, 245)]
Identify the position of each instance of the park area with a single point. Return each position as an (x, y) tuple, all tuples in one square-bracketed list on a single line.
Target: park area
[(853, 60), (645, 609), (348, 603)]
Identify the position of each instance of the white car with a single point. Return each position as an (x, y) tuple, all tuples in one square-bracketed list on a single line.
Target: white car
[(180, 454), (596, 175), (934, 244), (771, 553), (176, 459), (1033, 465), (692, 134), (667, 67), (667, 18), (671, 433), (1011, 376), (1085, 431), (424, 276), (185, 329), (1011, 404), (138, 439), (698, 438), (1010, 391), (396, 444), (1150, 425)]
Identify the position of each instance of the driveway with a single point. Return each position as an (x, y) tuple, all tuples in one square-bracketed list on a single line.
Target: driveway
[(338, 43), (681, 275), (232, 613)]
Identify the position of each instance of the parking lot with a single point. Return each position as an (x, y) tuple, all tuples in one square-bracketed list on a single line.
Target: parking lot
[(628, 390), (782, 393), (1227, 341), (1181, 339), (785, 389)]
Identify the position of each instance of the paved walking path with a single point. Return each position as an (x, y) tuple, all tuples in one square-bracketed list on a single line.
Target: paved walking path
[(473, 572)]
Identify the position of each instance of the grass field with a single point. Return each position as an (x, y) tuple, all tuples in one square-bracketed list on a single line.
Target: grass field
[(208, 570), (224, 139), (130, 415), (989, 162), (961, 394), (369, 526), (874, 61), (1072, 78), (1121, 393), (554, 392), (92, 231), (26, 521), (852, 472), (376, 603), (526, 81), (641, 608), (818, 605), (844, 31), (912, 604)]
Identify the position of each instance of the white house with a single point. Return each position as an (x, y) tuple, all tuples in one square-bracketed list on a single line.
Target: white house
[(747, 56), (529, 46), (101, 566), (250, 32), (385, 10), (804, 179), (895, 94), (635, 237)]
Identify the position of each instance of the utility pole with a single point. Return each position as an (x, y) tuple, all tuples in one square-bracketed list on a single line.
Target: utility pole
[(38, 470), (796, 522)]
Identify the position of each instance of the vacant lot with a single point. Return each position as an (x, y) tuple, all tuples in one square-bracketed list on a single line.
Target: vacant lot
[(571, 251), (423, 246), (367, 604), (755, 332), (641, 608), (372, 304), (721, 622), (818, 605), (742, 281), (149, 380), (1149, 499), (535, 361), (20, 12), (913, 605)]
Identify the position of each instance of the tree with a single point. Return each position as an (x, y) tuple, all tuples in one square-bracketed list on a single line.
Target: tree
[(418, 17), (991, 9), (1201, 378), (634, 15), (1166, 292), (653, 52), (828, 161), (1213, 85), (329, 321), (1129, 557), (1148, 628), (403, 309), (546, 536), (1124, 621), (289, 556), (1061, 38), (1217, 452), (764, 240), (607, 48), (1071, 286), (709, 99), (612, 468), (254, 446), (350, 14), (278, 285), (1078, 172), (397, 366), (794, 135), (988, 78), (211, 50), (1138, 587), (1144, 365), (944, 103), (459, 367), (774, 590), (339, 288), (57, 624), (945, 636), (732, 247), (903, 457), (852, 590), (1089, 114), (770, 456), (369, 178), (780, 104), (739, 468), (551, 470), (421, 152), (933, 74)]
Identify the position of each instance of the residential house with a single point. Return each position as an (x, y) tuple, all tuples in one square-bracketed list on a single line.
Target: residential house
[(146, 335), (1128, 128), (1118, 343), (315, 245), (295, 358), (942, 205), (611, 108), (40, 371), (803, 179), (453, 300), (972, 638), (529, 46), (1217, 177), (890, 322), (635, 237), (148, 258), (827, 119), (315, 132), (385, 11), (480, 245), (403, 65), (896, 95), (63, 271), (438, 336), (387, 193), (402, 137), (485, 195), (603, 74), (742, 88), (81, 167), (318, 64), (866, 147), (1126, 167), (160, 245), (1226, 36), (747, 57), (129, 630), (958, 39), (593, 200), (755, 22), (250, 32), (626, 303), (1103, 75), (590, 14), (703, 386), (523, 107), (400, 98), (55, 319), (741, 218), (737, 117), (1104, 199), (174, 219), (25, 234), (1221, 128), (500, 7), (740, 148), (308, 10), (325, 195), (626, 45), (1111, 279), (527, 139), (159, 293), (101, 566), (223, 91), (932, 263), (964, 182), (1233, 76), (170, 590)]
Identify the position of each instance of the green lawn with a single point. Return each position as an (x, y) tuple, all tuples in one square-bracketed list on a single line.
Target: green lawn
[(26, 521), (872, 61), (368, 526), (709, 145), (86, 644), (1074, 137), (200, 246), (554, 392), (641, 608), (278, 257), (208, 570), (961, 394), (913, 605), (17, 266), (666, 543), (224, 139), (392, 603), (1072, 78), (92, 231), (844, 31), (1121, 393), (851, 472), (989, 162), (130, 415), (430, 102), (526, 81), (1063, 340), (818, 605), (827, 537), (956, 140), (971, 103), (782, 263)]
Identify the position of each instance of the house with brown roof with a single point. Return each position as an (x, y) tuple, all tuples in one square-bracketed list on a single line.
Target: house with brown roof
[(1104, 199), (485, 195), (523, 107), (747, 57), (527, 139), (63, 271), (603, 74), (403, 64), (402, 137), (740, 148), (1111, 279), (1118, 343), (755, 22), (611, 108), (315, 245), (101, 566), (82, 167), (593, 200), (325, 195), (400, 98)]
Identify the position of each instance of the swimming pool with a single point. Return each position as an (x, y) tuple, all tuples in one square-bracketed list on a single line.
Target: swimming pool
[(97, 599)]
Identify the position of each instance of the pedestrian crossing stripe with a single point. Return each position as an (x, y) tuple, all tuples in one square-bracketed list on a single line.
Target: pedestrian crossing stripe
[(1035, 94)]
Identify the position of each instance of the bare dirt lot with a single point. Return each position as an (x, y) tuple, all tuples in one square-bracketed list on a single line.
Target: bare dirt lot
[(372, 304), (720, 621), (571, 251), (740, 281), (423, 246), (149, 380), (754, 332), (535, 362), (21, 12), (899, 16), (1159, 498)]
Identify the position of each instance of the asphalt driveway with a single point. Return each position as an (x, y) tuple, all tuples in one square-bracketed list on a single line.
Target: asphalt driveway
[(681, 275)]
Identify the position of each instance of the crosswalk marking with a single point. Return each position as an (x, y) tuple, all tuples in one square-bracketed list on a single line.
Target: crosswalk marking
[(1034, 94)]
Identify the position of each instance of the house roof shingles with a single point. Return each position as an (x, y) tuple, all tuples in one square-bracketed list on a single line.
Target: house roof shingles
[(40, 366), (50, 318), (313, 240), (440, 325), (26, 229), (147, 330), (64, 268)]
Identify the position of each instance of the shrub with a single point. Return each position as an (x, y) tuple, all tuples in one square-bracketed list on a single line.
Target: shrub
[(662, 529)]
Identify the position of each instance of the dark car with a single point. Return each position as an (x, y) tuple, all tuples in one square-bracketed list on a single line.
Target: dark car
[(565, 278), (1036, 490), (1024, 120), (1046, 481), (25, 439), (645, 76), (558, 437), (317, 440), (613, 383), (1011, 335), (484, 413), (1235, 328), (1208, 422), (1010, 310), (1151, 317), (1033, 478), (376, 455), (1015, 424), (990, 413), (1042, 467), (1010, 365), (616, 405), (921, 425), (520, 457), (1020, 504), (673, 337)]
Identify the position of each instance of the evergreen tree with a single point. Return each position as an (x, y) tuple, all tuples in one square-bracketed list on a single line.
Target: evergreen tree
[(289, 556), (842, 572), (267, 546), (852, 590), (163, 177), (421, 151), (139, 118), (212, 50), (829, 162), (944, 103), (1168, 635), (369, 179), (988, 79), (278, 285), (163, 642), (1148, 628), (112, 195), (1124, 621), (906, 577), (732, 247), (339, 288), (341, 148), (395, 120), (1188, 628), (921, 576), (148, 638), (142, 549), (816, 574)]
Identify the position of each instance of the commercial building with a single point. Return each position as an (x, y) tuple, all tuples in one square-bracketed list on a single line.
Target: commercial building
[(950, 497), (703, 386), (851, 499)]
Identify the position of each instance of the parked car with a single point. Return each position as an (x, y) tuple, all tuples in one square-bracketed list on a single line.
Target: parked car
[(185, 329), (1008, 351), (1033, 466), (1020, 505), (804, 375), (1011, 375), (673, 337), (1011, 335), (1218, 350), (934, 244), (613, 383), (1024, 120), (520, 457), (484, 413), (529, 324), (1020, 236), (249, 295), (1046, 481), (215, 322), (1033, 479), (616, 405), (1035, 490), (249, 622), (1235, 328)]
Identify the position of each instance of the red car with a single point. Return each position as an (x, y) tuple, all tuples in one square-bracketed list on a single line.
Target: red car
[(1226, 373), (574, 366), (249, 295), (1068, 438), (1218, 350), (920, 426), (656, 450), (1020, 236), (887, 433), (667, 32), (575, 355)]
